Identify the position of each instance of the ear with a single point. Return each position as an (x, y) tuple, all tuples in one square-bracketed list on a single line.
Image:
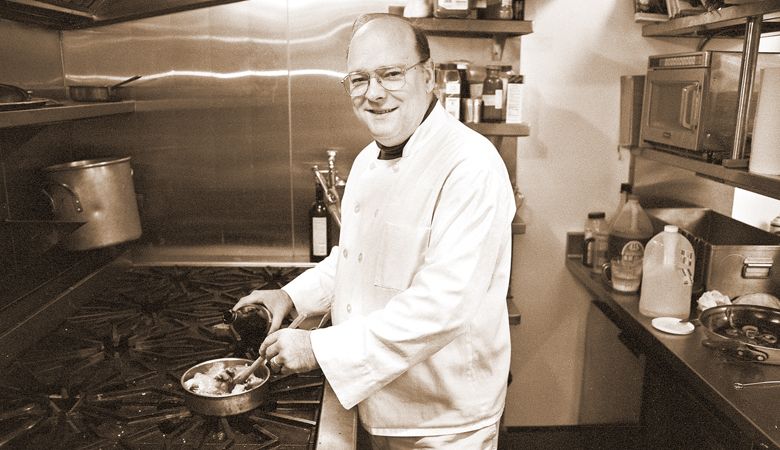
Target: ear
[(430, 76)]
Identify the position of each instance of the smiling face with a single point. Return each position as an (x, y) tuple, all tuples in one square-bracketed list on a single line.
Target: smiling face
[(391, 116)]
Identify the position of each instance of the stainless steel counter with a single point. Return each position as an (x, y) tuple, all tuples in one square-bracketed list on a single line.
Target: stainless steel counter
[(338, 426), (711, 376)]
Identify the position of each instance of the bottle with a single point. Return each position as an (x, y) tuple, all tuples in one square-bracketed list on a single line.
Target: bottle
[(514, 100), (450, 88), (251, 323), (630, 231), (594, 247), (319, 227), (505, 10), (492, 95), (454, 9), (667, 275), (625, 190), (418, 8)]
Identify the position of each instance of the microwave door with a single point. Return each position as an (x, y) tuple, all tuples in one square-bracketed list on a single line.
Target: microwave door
[(673, 109)]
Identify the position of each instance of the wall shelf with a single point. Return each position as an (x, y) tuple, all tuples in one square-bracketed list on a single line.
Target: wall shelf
[(500, 129), (53, 114), (474, 27), (728, 21), (498, 30), (760, 184)]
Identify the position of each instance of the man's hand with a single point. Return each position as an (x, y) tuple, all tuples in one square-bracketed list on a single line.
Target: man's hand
[(277, 301), (289, 351)]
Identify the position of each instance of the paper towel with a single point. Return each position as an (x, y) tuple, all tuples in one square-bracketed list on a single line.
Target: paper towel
[(765, 147)]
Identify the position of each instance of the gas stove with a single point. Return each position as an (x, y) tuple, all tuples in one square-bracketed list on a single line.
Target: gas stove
[(107, 376)]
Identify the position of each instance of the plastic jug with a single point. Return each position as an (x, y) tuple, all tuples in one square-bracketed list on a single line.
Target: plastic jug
[(629, 231), (667, 275)]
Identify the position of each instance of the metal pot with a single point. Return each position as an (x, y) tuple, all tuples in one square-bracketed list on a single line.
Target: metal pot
[(747, 332), (230, 404), (98, 93), (99, 192)]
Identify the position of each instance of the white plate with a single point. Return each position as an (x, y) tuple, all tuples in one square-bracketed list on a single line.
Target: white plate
[(672, 325)]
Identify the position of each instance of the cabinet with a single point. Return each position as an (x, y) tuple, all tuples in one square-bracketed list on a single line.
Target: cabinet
[(750, 21)]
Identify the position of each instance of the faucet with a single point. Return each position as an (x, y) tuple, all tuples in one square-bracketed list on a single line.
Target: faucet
[(330, 185)]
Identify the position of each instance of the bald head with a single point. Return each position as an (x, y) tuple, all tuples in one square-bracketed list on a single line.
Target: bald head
[(392, 24)]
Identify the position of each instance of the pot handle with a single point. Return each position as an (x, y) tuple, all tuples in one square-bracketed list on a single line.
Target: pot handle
[(76, 200)]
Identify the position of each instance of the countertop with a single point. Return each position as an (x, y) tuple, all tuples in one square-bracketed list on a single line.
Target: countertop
[(755, 410)]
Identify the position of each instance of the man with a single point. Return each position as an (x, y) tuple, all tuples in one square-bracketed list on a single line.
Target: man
[(417, 285)]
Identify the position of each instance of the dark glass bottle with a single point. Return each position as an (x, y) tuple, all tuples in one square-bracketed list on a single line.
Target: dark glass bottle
[(320, 241), (492, 95), (251, 323)]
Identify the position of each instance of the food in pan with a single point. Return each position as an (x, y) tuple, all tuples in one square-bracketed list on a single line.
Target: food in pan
[(750, 334), (218, 381)]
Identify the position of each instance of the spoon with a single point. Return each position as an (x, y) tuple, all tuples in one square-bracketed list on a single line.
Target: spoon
[(738, 385), (244, 373)]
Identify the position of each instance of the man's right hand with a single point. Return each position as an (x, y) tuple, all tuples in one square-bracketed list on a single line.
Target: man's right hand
[(277, 301)]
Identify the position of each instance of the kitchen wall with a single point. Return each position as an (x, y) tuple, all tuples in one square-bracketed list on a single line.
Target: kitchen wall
[(570, 165)]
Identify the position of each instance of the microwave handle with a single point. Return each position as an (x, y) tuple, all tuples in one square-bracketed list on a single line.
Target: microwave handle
[(688, 105)]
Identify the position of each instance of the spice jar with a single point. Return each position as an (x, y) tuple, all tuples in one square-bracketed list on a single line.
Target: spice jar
[(454, 9), (492, 95), (450, 88)]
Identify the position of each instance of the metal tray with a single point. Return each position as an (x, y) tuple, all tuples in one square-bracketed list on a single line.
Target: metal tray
[(731, 257)]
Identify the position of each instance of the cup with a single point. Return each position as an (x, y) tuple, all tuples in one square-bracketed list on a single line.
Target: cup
[(623, 275)]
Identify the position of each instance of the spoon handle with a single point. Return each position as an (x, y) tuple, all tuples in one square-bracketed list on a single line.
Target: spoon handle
[(738, 385)]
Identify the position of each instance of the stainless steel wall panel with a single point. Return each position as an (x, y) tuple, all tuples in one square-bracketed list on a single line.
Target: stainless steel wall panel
[(210, 138)]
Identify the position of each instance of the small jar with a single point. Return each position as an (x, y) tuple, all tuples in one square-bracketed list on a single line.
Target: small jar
[(450, 88), (594, 247), (492, 95), (453, 9)]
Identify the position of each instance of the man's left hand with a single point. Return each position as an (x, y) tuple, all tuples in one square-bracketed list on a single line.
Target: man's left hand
[(289, 351)]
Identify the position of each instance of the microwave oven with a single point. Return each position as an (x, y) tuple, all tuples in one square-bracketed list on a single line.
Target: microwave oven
[(690, 102)]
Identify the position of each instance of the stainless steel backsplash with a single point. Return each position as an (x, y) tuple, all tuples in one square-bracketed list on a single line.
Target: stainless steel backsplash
[(234, 105)]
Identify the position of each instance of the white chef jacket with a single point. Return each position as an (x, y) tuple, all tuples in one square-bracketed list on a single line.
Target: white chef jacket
[(417, 285)]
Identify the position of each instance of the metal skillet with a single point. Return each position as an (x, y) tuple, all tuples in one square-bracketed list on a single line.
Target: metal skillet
[(230, 404), (747, 332)]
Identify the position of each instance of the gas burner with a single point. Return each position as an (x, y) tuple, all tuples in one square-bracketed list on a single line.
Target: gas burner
[(108, 377)]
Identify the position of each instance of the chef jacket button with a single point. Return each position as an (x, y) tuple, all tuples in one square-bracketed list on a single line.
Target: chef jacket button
[(372, 166), (360, 257), (349, 308), (395, 167), (376, 212), (357, 208), (345, 253)]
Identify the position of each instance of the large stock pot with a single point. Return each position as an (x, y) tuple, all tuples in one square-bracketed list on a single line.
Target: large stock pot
[(99, 192)]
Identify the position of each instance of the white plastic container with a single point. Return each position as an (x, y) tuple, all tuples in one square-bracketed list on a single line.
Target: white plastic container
[(667, 275)]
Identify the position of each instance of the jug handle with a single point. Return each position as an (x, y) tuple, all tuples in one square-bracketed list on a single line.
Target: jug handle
[(76, 200)]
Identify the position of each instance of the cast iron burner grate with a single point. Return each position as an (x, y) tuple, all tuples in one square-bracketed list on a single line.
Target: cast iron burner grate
[(108, 377)]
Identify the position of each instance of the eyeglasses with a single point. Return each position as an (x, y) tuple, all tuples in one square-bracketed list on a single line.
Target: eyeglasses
[(391, 78)]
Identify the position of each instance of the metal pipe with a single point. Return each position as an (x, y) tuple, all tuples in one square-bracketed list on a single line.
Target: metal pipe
[(746, 77)]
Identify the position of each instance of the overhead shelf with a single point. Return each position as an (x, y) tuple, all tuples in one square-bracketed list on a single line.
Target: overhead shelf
[(500, 129), (474, 27), (498, 30), (741, 178), (728, 21), (53, 114)]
